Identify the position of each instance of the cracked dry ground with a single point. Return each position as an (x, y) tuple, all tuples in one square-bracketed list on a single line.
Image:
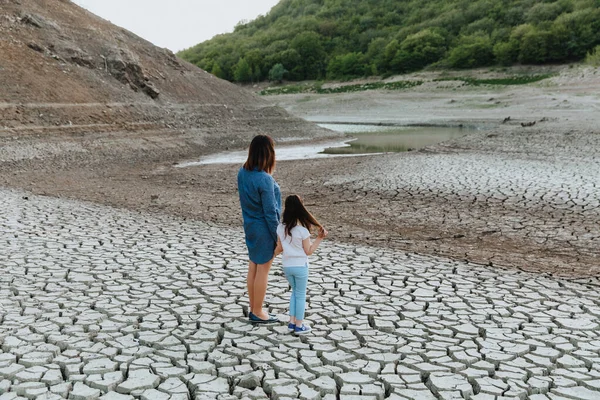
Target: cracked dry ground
[(97, 302), (535, 212)]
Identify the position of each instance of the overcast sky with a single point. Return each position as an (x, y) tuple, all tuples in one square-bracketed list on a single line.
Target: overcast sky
[(177, 24)]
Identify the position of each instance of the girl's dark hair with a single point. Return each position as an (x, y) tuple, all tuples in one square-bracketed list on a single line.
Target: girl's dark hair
[(295, 213), (261, 154)]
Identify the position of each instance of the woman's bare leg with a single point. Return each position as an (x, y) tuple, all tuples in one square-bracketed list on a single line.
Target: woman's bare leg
[(250, 282), (261, 278)]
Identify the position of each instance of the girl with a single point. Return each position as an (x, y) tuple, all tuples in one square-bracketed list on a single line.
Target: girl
[(293, 240)]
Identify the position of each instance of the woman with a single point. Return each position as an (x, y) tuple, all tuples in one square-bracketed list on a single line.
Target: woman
[(260, 199)]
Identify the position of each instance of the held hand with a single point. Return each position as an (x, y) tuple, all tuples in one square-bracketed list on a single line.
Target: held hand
[(323, 233)]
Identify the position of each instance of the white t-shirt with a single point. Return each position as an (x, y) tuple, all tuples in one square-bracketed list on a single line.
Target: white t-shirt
[(293, 252)]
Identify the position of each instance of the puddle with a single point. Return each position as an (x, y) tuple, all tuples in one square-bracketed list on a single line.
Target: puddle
[(383, 139), (283, 153)]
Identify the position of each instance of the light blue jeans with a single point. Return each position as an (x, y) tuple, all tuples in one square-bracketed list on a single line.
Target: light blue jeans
[(298, 279)]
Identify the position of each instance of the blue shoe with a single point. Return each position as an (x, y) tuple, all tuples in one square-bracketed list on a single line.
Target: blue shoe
[(291, 327), (254, 319), (301, 330), (252, 315)]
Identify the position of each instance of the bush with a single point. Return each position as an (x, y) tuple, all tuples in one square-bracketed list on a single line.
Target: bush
[(593, 57)]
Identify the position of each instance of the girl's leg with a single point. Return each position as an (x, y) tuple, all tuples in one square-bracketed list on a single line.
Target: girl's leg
[(260, 289), (292, 282), (250, 282), (301, 279)]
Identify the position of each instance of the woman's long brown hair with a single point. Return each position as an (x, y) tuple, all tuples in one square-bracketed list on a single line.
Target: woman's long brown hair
[(295, 213), (261, 154)]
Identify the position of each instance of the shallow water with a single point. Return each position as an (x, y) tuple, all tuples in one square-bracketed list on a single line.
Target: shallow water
[(361, 140), (284, 153), (382, 139)]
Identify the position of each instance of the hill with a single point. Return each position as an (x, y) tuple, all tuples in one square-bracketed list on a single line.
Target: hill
[(77, 88), (342, 39)]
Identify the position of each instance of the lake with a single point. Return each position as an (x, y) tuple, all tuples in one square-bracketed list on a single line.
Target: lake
[(361, 140)]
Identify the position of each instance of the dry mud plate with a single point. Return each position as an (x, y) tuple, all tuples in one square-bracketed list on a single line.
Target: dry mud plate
[(97, 302)]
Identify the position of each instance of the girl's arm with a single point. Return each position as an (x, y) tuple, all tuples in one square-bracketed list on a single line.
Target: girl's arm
[(309, 247), (278, 249)]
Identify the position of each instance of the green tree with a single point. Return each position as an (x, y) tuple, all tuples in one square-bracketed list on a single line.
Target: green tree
[(389, 53), (535, 47), (507, 52), (472, 51), (256, 74), (312, 55), (288, 58), (347, 66), (254, 58), (242, 72), (420, 49), (277, 73), (374, 54), (544, 12), (312, 38), (217, 71)]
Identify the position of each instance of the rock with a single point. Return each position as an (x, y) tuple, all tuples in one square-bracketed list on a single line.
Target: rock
[(115, 396), (38, 21), (77, 56), (138, 379), (36, 47), (33, 20), (202, 383), (150, 90), (125, 67), (83, 392), (99, 366), (249, 381)]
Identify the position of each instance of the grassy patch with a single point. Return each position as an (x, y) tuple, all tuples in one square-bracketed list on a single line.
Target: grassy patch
[(318, 89), (290, 89), (513, 80), (593, 57)]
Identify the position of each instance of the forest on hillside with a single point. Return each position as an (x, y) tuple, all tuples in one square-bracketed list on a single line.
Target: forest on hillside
[(343, 39)]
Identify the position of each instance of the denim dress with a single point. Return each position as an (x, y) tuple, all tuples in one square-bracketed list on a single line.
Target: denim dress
[(260, 198)]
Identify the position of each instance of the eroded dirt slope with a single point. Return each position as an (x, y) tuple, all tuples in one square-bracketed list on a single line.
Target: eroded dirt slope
[(77, 88)]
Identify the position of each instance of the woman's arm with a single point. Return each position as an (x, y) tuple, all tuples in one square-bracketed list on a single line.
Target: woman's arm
[(269, 205)]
